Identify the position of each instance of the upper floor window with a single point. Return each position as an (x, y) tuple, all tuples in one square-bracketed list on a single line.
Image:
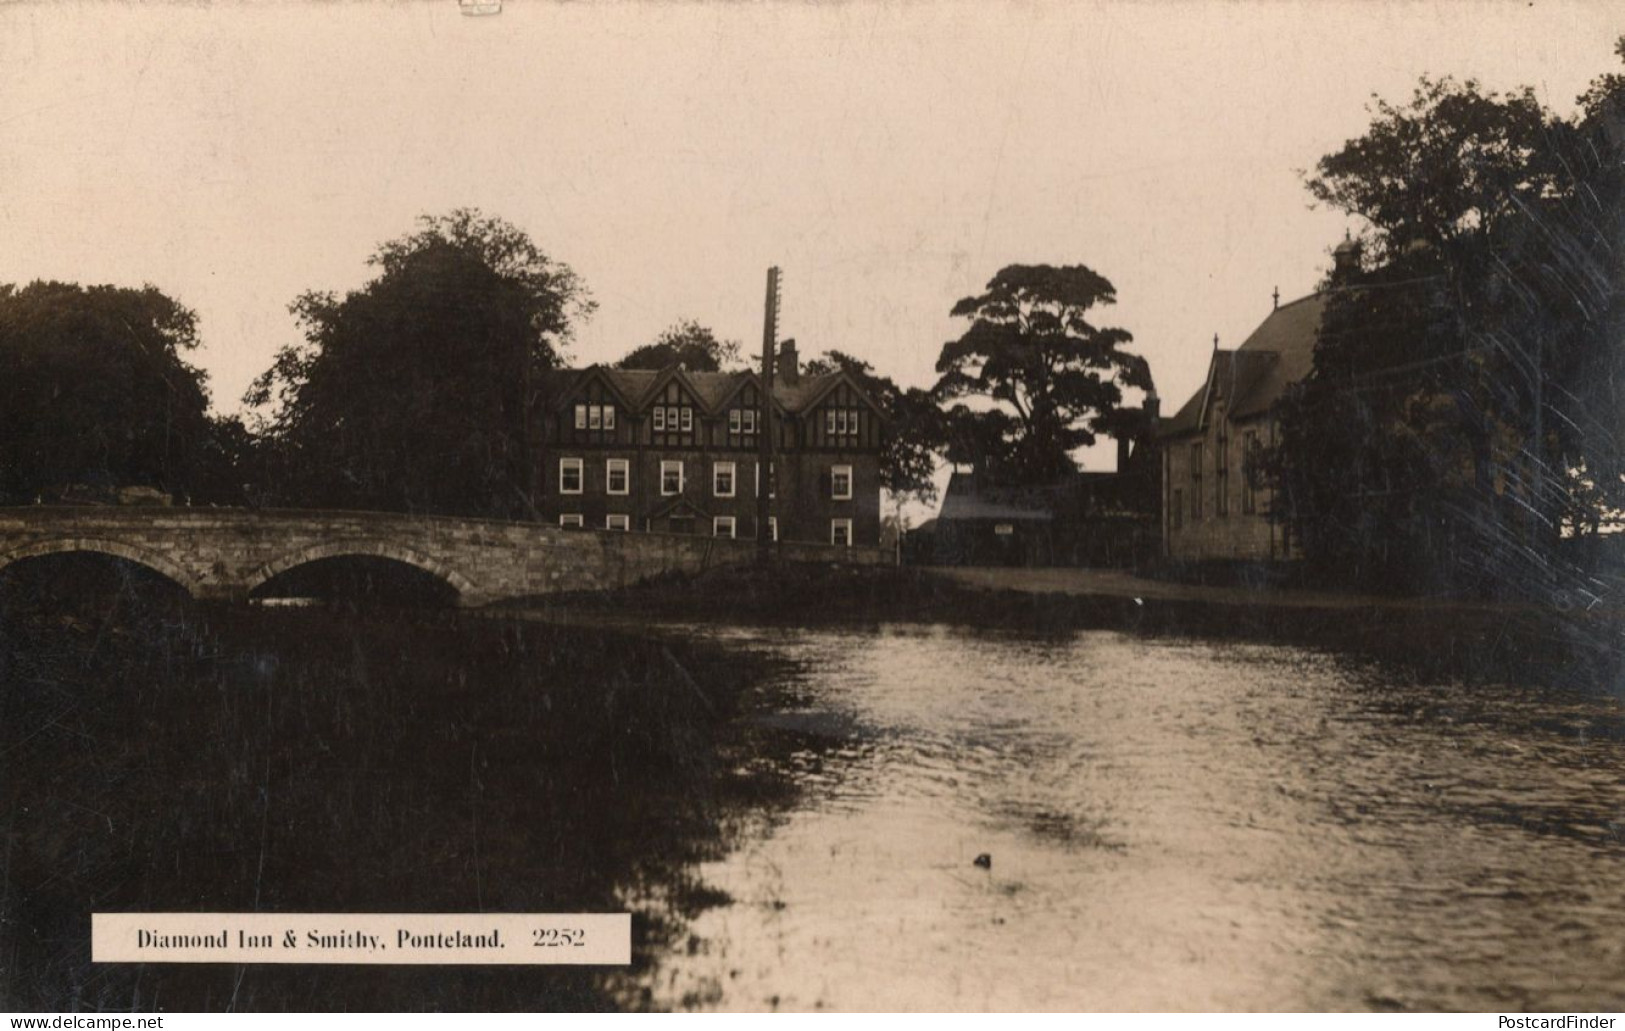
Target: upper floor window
[(841, 422), (722, 479), (673, 419), (772, 480), (742, 421), (569, 476), (595, 417), (617, 476), (671, 477), (840, 482)]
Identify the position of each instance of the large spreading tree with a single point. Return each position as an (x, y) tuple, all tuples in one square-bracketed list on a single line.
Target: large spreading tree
[(1044, 377), (686, 344), (96, 393), (1461, 413), (411, 393)]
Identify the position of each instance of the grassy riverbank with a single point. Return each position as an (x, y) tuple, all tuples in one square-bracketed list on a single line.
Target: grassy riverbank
[(157, 758)]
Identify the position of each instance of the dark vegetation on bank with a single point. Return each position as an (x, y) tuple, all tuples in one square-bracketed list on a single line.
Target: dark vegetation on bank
[(158, 757)]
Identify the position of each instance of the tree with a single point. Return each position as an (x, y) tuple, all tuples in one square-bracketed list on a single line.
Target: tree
[(1447, 168), (411, 394), (96, 391), (1443, 433), (1053, 378), (914, 427), (687, 344)]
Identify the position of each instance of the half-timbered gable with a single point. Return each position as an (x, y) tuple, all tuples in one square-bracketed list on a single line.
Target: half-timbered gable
[(842, 418), (673, 413), (593, 412)]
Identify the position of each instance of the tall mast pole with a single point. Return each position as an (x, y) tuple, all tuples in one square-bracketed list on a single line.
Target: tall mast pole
[(767, 442)]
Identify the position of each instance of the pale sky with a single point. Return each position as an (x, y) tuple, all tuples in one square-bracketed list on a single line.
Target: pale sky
[(891, 157)]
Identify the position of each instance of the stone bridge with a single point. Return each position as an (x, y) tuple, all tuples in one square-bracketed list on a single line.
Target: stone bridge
[(222, 554)]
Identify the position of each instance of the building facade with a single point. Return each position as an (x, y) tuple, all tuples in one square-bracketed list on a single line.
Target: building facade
[(1085, 519), (680, 452), (1215, 505)]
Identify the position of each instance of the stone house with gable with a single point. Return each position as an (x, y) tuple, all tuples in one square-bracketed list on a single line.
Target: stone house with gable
[(1213, 508)]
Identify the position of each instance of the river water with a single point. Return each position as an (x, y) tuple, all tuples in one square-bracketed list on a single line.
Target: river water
[(1171, 824)]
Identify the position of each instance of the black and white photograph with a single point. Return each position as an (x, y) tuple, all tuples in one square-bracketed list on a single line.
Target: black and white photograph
[(516, 506)]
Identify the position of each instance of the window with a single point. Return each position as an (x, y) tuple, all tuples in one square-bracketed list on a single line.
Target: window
[(722, 479), (1177, 509), (595, 417), (1249, 496), (723, 526), (617, 522), (671, 478), (840, 532), (609, 417), (735, 421), (688, 419), (1221, 470), (829, 421), (840, 482), (749, 417), (570, 521), (660, 420), (1196, 482), (569, 476), (773, 528), (581, 417), (616, 476)]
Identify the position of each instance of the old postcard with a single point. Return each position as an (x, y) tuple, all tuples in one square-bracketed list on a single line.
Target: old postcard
[(1025, 506)]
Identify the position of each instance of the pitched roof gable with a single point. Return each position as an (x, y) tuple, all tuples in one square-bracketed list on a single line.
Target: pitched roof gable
[(816, 388), (1252, 377)]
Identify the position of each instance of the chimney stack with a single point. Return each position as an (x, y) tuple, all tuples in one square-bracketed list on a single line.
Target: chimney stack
[(789, 362)]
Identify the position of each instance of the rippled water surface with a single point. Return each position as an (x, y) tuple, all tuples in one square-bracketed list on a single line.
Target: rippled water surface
[(1172, 824)]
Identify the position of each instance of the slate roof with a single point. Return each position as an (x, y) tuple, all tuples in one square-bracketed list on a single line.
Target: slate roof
[(1252, 377), (965, 498), (711, 389)]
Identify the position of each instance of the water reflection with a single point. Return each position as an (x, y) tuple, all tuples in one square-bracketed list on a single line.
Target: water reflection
[(1172, 825)]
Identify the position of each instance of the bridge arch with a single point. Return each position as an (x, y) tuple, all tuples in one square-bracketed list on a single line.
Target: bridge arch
[(363, 548), (152, 560)]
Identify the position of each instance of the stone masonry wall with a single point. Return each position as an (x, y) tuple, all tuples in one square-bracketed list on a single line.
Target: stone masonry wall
[(223, 554)]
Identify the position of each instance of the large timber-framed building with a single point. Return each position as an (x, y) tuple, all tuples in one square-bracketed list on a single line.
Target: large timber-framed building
[(673, 451)]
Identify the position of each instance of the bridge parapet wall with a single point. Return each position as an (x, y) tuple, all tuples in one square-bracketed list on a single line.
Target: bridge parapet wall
[(225, 554)]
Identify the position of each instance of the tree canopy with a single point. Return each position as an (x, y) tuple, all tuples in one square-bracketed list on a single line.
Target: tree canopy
[(1462, 407), (411, 393), (1049, 378), (686, 343), (96, 391)]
